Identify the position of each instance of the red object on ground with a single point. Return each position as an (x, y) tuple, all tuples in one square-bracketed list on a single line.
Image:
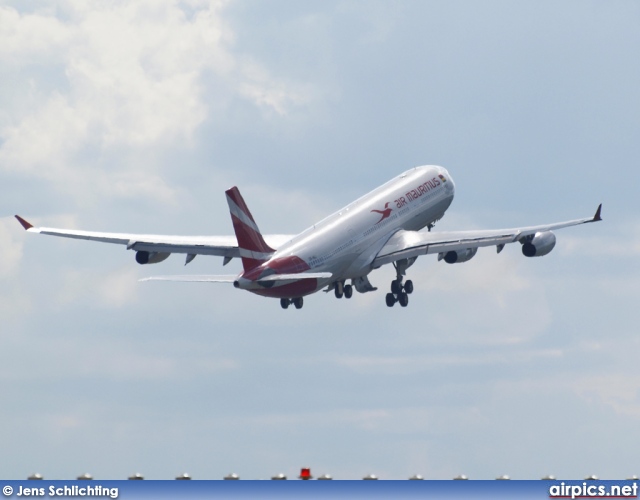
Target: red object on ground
[(305, 473)]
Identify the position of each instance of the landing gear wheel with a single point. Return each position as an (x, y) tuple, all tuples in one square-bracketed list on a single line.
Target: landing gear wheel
[(298, 302), (396, 286), (348, 291), (408, 286), (338, 290), (284, 303), (403, 298), (391, 299)]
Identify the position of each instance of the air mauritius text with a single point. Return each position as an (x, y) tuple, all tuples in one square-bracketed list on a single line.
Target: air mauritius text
[(68, 491)]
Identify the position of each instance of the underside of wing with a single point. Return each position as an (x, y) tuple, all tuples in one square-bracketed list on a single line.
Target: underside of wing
[(410, 244)]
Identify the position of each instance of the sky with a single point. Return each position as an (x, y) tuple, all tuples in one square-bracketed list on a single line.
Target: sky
[(135, 116)]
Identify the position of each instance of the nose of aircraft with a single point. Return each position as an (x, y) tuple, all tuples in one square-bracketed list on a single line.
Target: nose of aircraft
[(450, 184)]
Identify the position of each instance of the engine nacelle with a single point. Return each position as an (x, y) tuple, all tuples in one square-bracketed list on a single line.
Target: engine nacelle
[(143, 257), (541, 244), (456, 256)]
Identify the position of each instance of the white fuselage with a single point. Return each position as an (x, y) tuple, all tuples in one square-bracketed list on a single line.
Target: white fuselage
[(346, 242)]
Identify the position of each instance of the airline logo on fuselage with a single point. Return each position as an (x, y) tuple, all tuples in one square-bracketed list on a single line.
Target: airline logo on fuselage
[(385, 213), (419, 191)]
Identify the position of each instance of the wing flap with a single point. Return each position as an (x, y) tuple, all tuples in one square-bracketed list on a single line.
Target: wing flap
[(201, 249)]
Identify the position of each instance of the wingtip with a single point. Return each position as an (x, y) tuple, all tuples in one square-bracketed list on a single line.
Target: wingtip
[(597, 216), (24, 223)]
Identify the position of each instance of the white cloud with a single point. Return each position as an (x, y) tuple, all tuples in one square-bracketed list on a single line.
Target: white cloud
[(624, 242), (405, 365), (119, 288), (109, 289), (284, 210), (145, 184), (10, 247), (38, 37), (133, 82), (122, 364), (117, 358), (370, 420), (619, 391), (15, 302), (260, 88), (502, 303)]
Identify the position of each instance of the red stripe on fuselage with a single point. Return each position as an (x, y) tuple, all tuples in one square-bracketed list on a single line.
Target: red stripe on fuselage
[(290, 264), (291, 290), (283, 265)]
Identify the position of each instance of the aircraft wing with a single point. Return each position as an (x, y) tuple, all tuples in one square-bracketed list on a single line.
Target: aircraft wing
[(408, 244), (224, 246)]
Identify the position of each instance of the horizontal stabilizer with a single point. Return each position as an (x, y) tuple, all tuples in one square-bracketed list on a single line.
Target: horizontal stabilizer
[(295, 276), (230, 278), (203, 278)]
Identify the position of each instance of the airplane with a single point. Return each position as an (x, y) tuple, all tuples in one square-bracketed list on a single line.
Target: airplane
[(382, 227)]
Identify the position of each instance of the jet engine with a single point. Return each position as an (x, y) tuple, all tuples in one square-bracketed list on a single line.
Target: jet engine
[(541, 244), (455, 256), (143, 257)]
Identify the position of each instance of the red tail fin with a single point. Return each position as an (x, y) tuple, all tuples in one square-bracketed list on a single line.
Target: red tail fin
[(253, 249)]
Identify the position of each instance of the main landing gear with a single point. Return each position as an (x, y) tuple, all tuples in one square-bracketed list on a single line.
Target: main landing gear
[(400, 292), (342, 290), (298, 302)]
